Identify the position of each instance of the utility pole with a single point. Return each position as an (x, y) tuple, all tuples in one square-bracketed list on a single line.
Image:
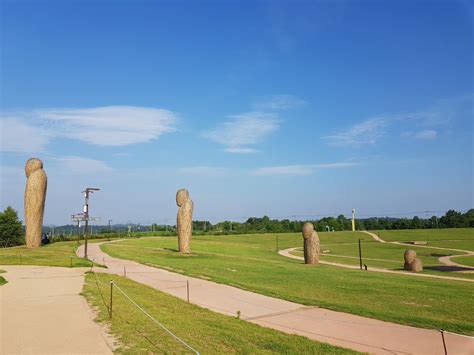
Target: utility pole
[(86, 215), (109, 225)]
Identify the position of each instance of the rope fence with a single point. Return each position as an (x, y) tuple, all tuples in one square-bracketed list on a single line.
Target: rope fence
[(113, 285)]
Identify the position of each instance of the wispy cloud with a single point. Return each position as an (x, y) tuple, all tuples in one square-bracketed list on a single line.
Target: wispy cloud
[(241, 150), (203, 170), (112, 125), (363, 133), (103, 126), (442, 113), (278, 102), (426, 134), (81, 165), (20, 137), (244, 130), (295, 170)]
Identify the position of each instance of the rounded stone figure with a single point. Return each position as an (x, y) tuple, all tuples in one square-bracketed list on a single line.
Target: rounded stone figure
[(412, 263), (311, 244), (184, 222), (35, 197)]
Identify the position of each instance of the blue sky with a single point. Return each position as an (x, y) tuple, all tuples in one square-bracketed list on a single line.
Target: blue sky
[(300, 108)]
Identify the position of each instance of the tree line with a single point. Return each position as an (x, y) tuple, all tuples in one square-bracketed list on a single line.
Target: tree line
[(12, 230)]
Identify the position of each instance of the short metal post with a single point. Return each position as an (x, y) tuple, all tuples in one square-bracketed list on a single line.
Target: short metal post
[(444, 342), (360, 255), (110, 303), (187, 288)]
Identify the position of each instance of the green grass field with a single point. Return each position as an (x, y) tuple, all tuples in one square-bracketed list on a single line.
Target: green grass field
[(456, 238), (56, 254), (390, 256), (464, 260), (204, 330), (251, 262)]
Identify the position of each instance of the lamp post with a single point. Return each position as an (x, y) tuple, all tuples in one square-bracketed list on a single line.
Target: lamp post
[(86, 193), (110, 228)]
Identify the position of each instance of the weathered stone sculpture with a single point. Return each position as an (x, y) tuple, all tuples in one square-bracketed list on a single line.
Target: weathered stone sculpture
[(35, 196), (184, 223), (412, 263), (311, 244)]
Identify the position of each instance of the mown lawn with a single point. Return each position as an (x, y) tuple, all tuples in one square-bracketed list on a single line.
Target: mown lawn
[(386, 255), (251, 262), (56, 254), (464, 260), (206, 331), (456, 238)]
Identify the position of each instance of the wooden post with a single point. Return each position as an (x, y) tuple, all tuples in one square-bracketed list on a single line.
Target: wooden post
[(110, 303), (187, 288), (444, 342)]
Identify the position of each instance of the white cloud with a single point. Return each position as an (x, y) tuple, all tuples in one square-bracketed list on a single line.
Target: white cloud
[(104, 126), (364, 133), (241, 150), (284, 170), (441, 114), (300, 169), (111, 125), (21, 137), (426, 134), (203, 170), (279, 102), (243, 130), (336, 165), (81, 165)]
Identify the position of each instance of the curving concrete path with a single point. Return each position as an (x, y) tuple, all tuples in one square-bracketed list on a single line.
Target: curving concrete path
[(446, 260), (42, 312), (337, 328), (287, 253)]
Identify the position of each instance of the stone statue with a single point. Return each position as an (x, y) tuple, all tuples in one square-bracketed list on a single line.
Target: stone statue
[(311, 244), (35, 196), (184, 223), (412, 263)]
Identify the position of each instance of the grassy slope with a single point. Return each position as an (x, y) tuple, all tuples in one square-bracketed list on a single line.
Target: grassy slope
[(206, 331), (457, 238), (2, 280), (251, 262), (56, 254), (386, 255), (465, 260)]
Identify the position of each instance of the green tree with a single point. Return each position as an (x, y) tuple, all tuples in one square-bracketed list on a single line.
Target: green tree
[(11, 232)]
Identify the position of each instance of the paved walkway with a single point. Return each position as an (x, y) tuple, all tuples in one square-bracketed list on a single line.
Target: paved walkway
[(41, 312), (446, 260), (288, 254), (337, 328)]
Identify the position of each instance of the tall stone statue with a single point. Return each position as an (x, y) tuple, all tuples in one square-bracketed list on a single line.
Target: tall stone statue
[(184, 223), (311, 244), (412, 263), (35, 196)]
